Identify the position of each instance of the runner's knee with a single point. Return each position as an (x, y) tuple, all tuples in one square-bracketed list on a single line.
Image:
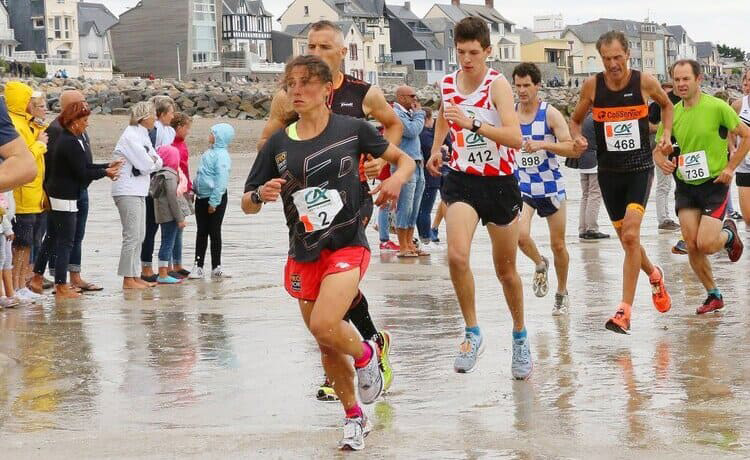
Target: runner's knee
[(457, 259)]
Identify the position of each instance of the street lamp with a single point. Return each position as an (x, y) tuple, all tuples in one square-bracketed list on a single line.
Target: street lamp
[(179, 71)]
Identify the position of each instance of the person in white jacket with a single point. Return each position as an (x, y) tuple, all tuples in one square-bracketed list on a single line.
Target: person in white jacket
[(130, 191)]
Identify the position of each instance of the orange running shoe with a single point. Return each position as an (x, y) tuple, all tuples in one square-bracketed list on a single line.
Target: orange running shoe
[(620, 323), (659, 294)]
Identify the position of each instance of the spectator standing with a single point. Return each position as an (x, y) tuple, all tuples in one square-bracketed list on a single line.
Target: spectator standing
[(591, 195), (412, 117), (130, 190), (30, 198)]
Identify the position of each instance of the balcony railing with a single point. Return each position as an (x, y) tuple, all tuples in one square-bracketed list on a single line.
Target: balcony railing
[(384, 58), (369, 35)]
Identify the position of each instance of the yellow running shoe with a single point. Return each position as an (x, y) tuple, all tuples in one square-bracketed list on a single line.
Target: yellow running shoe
[(326, 392), (383, 339)]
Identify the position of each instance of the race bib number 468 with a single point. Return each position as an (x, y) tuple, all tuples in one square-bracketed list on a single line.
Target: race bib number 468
[(622, 136), (317, 207)]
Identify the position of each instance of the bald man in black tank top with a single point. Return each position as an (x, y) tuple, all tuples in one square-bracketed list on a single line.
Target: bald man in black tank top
[(355, 98), (617, 98)]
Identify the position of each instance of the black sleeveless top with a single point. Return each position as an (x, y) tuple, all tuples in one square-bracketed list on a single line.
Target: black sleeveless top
[(347, 99), (621, 126)]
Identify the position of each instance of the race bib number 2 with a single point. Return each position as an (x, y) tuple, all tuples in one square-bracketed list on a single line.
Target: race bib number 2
[(622, 136), (694, 166), (317, 207)]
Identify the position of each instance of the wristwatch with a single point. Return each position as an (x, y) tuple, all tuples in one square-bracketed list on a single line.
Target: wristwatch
[(255, 196), (475, 125)]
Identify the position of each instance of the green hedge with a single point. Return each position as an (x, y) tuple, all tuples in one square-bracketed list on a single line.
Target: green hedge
[(38, 70)]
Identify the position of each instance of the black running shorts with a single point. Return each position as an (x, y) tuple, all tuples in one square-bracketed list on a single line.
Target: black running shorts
[(625, 190), (742, 179), (497, 200), (711, 198)]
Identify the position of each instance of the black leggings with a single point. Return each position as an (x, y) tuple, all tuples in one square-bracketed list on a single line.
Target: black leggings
[(60, 235), (209, 225)]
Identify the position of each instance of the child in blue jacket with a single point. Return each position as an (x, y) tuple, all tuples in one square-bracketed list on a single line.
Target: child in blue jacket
[(210, 187)]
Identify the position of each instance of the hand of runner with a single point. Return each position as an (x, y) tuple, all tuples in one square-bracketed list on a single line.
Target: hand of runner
[(663, 162), (435, 163), (182, 224), (665, 146), (725, 177), (211, 210), (373, 166), (580, 144), (271, 190), (455, 115), (389, 190), (531, 146)]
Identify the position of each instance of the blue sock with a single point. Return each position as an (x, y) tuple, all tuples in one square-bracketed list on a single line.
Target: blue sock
[(473, 330), (715, 292), (520, 334), (730, 237)]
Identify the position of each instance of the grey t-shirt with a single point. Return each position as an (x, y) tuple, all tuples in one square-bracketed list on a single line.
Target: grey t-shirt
[(329, 161), (588, 159)]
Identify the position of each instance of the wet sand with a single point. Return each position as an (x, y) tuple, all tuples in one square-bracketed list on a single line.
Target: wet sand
[(227, 369)]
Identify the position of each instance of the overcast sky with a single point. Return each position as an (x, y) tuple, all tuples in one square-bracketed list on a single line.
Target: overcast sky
[(724, 21)]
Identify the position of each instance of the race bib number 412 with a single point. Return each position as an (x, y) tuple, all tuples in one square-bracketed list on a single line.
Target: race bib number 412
[(317, 207), (622, 136)]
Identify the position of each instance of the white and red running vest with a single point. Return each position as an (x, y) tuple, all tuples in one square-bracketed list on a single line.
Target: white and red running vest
[(473, 153)]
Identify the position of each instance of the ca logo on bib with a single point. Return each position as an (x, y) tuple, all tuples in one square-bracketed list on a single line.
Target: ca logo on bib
[(317, 207)]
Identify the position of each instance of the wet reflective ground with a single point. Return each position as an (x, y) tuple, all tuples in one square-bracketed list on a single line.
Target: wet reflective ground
[(227, 370)]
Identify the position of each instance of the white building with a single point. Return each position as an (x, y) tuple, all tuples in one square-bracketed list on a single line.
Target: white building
[(7, 39), (549, 26)]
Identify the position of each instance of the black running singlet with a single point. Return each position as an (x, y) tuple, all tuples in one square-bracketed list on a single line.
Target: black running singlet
[(621, 126), (348, 98)]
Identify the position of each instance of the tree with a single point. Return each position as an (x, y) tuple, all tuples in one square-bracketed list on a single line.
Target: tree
[(731, 52)]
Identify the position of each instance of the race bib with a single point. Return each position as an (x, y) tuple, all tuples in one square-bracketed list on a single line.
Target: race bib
[(476, 149), (694, 166), (622, 136), (317, 207), (530, 159)]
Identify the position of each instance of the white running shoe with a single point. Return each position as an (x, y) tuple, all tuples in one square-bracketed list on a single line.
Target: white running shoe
[(218, 272), (355, 431), (25, 294), (196, 273), (370, 378)]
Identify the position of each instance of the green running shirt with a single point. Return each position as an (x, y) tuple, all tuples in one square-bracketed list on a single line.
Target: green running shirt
[(702, 128)]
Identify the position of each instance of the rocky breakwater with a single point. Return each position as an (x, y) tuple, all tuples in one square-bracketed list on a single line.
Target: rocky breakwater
[(239, 100)]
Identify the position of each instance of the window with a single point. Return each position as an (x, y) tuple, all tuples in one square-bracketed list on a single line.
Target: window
[(302, 49), (368, 50), (56, 22), (38, 22), (205, 49), (67, 28), (307, 11), (439, 64), (419, 64), (506, 54), (381, 48), (353, 52)]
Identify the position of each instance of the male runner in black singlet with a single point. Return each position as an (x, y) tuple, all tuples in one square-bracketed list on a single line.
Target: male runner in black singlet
[(617, 98)]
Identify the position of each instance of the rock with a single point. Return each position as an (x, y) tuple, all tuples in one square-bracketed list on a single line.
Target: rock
[(221, 111), (120, 112), (233, 113)]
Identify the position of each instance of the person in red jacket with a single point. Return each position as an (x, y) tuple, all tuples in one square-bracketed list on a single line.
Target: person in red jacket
[(181, 124)]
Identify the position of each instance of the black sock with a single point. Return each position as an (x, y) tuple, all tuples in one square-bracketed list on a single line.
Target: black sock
[(359, 315)]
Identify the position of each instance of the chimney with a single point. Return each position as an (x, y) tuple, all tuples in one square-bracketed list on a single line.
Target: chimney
[(407, 5), (489, 3), (456, 2)]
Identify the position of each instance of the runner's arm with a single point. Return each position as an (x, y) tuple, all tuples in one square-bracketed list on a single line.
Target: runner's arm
[(564, 146), (276, 118), (436, 158), (377, 107), (389, 190), (263, 177), (585, 101), (18, 166), (742, 131), (509, 134), (651, 88)]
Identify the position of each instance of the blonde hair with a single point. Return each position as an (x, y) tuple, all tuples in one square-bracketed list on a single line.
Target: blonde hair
[(162, 104), (140, 111)]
